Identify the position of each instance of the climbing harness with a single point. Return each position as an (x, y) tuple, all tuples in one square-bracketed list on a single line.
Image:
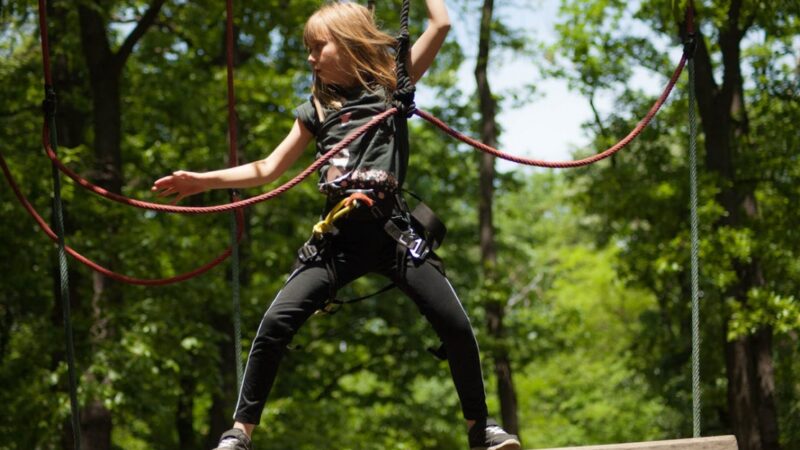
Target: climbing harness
[(417, 234)]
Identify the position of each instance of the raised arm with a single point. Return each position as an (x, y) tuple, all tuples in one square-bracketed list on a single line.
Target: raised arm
[(427, 46), (183, 183)]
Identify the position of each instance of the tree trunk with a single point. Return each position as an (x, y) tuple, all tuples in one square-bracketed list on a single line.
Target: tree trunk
[(222, 403), (495, 310), (105, 70), (184, 417), (749, 364), (104, 82), (96, 426)]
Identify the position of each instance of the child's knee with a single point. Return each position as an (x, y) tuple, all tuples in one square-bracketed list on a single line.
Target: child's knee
[(276, 329)]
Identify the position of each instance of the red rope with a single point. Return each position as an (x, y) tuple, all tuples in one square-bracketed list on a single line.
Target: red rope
[(232, 139), (50, 233), (216, 208), (97, 267), (238, 205), (563, 164)]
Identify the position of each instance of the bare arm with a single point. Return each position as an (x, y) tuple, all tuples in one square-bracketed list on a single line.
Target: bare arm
[(183, 183), (427, 46)]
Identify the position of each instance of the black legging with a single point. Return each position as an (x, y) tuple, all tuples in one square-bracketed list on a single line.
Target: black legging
[(362, 247)]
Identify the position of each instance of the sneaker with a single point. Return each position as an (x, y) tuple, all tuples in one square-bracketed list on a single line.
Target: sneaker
[(234, 439), (487, 435)]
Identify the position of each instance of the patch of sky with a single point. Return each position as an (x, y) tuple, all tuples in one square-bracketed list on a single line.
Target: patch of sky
[(549, 124)]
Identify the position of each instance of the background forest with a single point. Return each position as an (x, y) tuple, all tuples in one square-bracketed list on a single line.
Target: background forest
[(579, 295)]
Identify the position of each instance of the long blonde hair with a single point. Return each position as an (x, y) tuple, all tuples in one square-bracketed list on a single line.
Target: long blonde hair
[(364, 48)]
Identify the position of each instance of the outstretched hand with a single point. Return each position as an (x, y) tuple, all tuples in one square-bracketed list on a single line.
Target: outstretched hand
[(180, 183)]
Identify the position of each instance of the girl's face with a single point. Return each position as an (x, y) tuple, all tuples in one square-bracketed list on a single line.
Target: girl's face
[(328, 63)]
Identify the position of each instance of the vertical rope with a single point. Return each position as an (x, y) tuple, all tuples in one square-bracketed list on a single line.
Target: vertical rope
[(404, 94), (63, 274), (233, 147), (49, 106), (696, 393), (695, 277)]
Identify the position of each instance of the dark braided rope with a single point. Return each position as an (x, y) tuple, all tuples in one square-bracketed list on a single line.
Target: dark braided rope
[(236, 225), (49, 106), (404, 93), (697, 393), (63, 279)]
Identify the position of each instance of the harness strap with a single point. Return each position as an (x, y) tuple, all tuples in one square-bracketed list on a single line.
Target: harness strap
[(433, 228), (333, 304)]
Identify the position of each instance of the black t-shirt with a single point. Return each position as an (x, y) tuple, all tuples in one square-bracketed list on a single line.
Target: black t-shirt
[(375, 160)]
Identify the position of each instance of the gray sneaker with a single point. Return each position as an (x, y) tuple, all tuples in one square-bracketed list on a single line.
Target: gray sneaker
[(487, 435), (234, 439)]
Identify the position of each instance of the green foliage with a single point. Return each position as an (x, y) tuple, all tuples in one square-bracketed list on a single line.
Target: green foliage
[(639, 199), (763, 308), (574, 323)]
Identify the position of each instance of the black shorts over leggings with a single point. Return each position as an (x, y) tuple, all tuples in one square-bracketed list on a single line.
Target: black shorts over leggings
[(359, 248)]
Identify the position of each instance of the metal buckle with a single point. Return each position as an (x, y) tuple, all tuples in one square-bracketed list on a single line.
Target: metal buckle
[(307, 252), (417, 246), (420, 249)]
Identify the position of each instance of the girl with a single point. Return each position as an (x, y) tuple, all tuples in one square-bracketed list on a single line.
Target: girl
[(354, 79)]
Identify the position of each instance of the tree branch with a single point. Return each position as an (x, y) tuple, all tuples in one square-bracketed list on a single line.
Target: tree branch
[(176, 31), (138, 31), (749, 21)]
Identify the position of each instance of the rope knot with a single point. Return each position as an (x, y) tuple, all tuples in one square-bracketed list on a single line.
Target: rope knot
[(690, 44), (50, 102), (403, 38), (404, 109), (404, 100)]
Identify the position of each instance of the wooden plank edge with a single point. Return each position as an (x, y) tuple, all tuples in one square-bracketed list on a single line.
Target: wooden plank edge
[(706, 443)]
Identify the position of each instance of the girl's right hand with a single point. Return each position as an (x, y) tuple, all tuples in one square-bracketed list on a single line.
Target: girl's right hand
[(180, 183)]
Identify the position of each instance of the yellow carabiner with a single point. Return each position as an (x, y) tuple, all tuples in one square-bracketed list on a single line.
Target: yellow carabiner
[(340, 210), (325, 225)]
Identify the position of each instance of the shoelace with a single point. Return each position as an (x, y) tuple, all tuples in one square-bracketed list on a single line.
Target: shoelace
[(228, 443), (494, 431)]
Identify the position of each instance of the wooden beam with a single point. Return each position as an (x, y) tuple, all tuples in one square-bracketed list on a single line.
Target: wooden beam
[(709, 443)]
